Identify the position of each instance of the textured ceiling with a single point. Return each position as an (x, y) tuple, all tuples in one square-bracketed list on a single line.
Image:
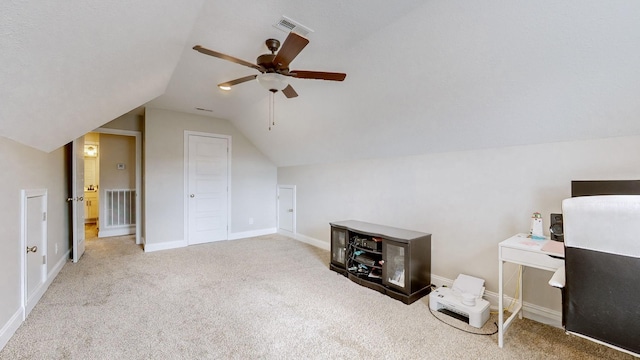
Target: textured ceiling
[(70, 66), (423, 76)]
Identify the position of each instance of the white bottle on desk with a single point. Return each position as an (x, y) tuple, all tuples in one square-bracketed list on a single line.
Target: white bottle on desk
[(536, 227)]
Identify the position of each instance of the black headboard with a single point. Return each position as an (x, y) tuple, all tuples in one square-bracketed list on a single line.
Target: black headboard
[(604, 187)]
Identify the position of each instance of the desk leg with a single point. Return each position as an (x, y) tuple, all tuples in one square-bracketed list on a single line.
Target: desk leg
[(520, 294), (500, 305)]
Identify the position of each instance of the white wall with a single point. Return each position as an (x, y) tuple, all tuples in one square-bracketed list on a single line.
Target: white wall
[(114, 150), (469, 200), (26, 168), (253, 177), (130, 121)]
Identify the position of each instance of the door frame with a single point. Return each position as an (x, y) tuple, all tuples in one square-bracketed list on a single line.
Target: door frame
[(188, 133), (138, 174), (26, 194), (293, 189)]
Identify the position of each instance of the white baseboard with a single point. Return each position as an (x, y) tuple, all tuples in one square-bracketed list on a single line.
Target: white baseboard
[(50, 277), (56, 269), (150, 247), (529, 311), (11, 327), (118, 231), (164, 245), (541, 314), (16, 320), (309, 240), (252, 233)]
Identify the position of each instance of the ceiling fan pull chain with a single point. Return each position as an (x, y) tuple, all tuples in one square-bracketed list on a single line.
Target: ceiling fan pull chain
[(270, 110)]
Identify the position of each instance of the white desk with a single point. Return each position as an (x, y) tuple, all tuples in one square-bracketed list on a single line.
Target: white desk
[(522, 250)]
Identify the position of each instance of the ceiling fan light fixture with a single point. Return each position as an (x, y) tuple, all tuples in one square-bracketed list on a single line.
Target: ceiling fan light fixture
[(272, 81)]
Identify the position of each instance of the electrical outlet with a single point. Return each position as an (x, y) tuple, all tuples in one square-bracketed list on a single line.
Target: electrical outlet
[(250, 221)]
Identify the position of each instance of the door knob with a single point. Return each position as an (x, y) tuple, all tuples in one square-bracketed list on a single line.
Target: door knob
[(69, 199), (192, 196), (32, 249)]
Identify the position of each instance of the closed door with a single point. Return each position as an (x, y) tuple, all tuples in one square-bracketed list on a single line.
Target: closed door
[(35, 240), (286, 208), (207, 189)]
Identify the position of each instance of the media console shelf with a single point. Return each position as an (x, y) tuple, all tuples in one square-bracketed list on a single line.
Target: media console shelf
[(393, 261)]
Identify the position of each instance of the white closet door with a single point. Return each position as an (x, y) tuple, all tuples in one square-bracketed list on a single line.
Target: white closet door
[(286, 208), (207, 189)]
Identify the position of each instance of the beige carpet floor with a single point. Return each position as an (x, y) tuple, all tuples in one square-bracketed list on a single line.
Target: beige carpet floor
[(267, 297)]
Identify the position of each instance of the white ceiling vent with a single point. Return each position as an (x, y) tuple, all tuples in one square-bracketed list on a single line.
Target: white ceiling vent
[(287, 25)]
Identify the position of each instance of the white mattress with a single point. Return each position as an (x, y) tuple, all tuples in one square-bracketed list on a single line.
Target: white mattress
[(608, 223)]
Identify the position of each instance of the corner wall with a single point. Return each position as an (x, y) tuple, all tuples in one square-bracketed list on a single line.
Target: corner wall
[(469, 201), (253, 178), (27, 168)]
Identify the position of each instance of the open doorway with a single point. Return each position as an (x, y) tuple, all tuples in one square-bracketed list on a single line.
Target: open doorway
[(91, 184), (112, 182)]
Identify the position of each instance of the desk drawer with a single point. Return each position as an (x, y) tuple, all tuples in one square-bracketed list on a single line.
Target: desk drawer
[(530, 258)]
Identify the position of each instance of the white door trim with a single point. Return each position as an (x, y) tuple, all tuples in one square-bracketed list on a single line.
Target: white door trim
[(187, 133), (27, 305), (293, 189), (138, 137)]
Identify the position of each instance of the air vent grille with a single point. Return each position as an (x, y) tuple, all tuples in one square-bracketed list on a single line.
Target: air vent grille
[(288, 25)]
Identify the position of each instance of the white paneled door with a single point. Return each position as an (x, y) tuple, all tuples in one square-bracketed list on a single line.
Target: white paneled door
[(77, 197), (287, 208), (34, 222), (207, 173)]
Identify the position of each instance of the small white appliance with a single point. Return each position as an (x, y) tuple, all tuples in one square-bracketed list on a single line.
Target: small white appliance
[(463, 301)]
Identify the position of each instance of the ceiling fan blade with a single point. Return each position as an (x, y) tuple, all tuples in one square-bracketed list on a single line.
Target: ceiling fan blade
[(289, 92), (293, 44), (319, 75), (238, 81), (206, 51)]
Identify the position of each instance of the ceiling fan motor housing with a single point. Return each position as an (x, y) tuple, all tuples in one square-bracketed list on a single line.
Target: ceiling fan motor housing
[(266, 61), (272, 45)]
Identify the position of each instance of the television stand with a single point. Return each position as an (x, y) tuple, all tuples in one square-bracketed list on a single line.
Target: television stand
[(395, 262)]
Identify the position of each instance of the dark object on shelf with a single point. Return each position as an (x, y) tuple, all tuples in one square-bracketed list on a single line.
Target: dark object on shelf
[(365, 259), (393, 261), (556, 230), (371, 243)]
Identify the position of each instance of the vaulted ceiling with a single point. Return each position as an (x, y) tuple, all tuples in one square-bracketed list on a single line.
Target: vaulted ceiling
[(423, 76)]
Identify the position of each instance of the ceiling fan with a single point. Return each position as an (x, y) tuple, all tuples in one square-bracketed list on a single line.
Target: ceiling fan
[(274, 67)]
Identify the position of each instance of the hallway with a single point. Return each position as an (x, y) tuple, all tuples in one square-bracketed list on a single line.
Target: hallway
[(90, 231)]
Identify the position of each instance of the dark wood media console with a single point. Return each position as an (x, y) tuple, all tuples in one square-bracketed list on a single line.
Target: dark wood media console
[(393, 261)]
